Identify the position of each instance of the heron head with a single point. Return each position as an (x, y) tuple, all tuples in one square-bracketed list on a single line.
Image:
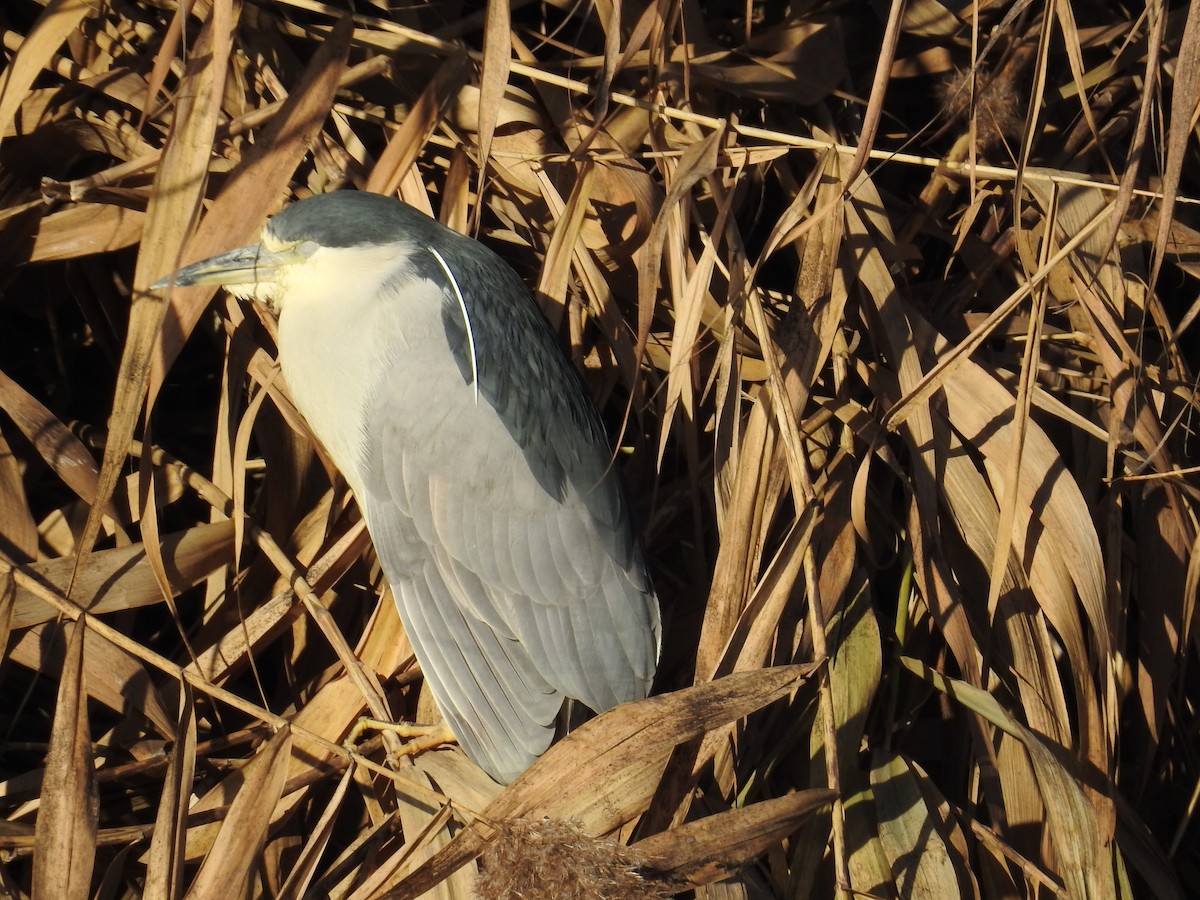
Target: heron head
[(322, 247)]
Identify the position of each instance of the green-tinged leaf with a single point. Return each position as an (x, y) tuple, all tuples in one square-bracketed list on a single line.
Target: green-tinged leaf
[(1070, 818), (923, 863)]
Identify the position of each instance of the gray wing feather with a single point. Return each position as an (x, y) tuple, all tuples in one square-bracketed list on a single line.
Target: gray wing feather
[(485, 702), (505, 537)]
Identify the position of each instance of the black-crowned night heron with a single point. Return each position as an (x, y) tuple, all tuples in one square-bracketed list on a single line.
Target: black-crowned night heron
[(423, 366)]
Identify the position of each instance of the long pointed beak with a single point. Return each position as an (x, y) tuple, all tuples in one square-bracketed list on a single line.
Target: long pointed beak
[(249, 265)]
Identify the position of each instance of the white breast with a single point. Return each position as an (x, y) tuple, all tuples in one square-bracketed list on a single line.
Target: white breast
[(333, 341)]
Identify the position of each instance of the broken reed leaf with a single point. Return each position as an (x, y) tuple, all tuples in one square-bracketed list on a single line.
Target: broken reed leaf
[(615, 759), (111, 675), (165, 866), (619, 755), (66, 824), (714, 847)]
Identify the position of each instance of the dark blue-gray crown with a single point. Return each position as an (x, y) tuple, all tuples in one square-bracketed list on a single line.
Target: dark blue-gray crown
[(355, 219)]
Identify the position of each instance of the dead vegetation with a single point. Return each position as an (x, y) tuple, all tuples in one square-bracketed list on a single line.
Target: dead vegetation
[(892, 313)]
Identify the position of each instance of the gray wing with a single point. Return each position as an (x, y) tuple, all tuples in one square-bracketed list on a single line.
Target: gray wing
[(504, 534)]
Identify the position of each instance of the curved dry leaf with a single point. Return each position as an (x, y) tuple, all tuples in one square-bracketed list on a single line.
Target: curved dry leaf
[(164, 61), (54, 25), (85, 229), (622, 222), (517, 110), (120, 578)]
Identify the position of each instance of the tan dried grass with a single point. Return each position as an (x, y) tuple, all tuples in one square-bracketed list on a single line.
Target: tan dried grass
[(906, 377)]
